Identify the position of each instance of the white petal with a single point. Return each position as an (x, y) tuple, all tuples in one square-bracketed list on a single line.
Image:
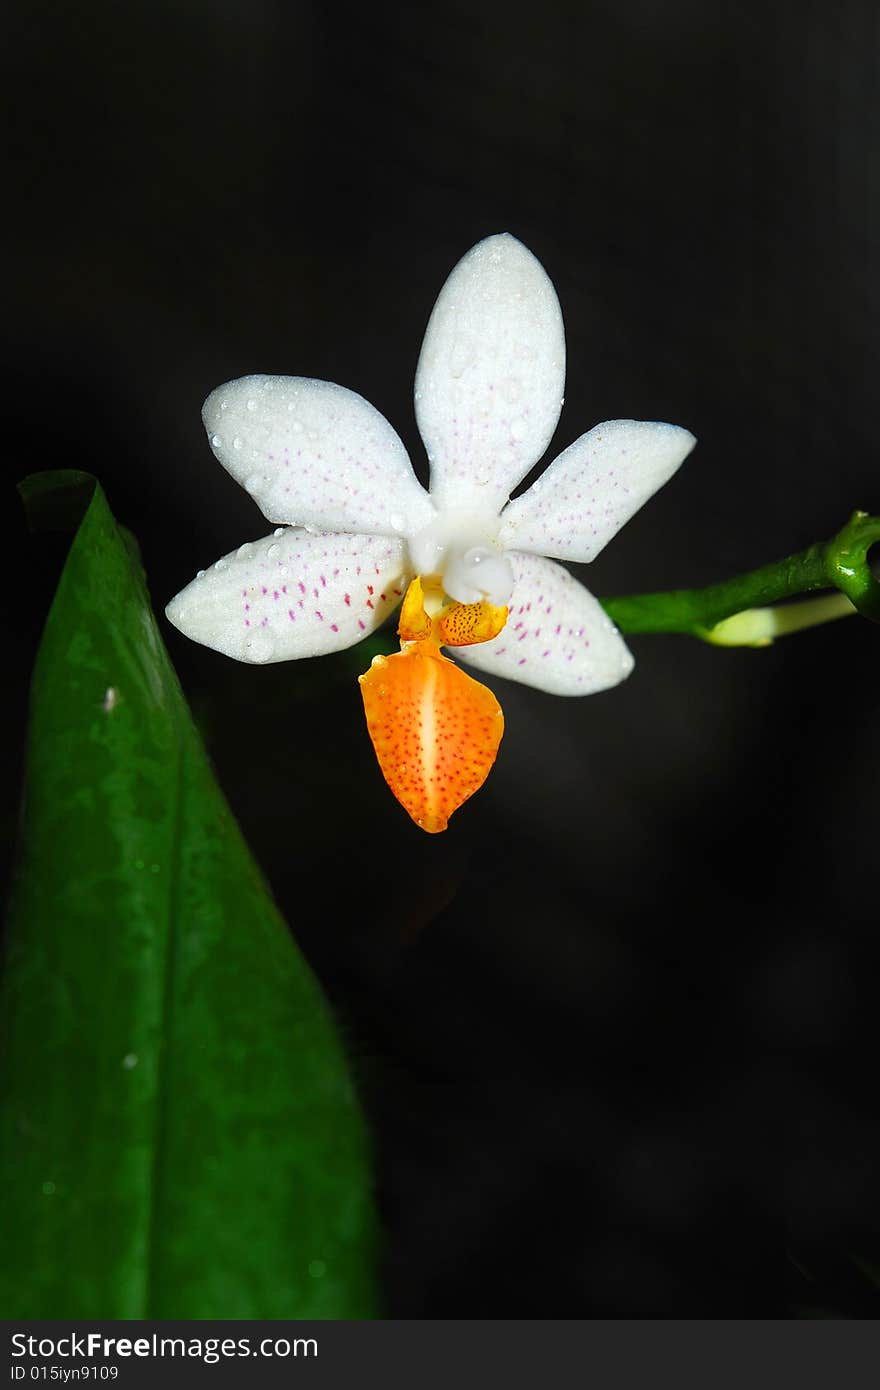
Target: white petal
[(491, 375), (314, 454), (557, 637), (293, 594), (594, 487)]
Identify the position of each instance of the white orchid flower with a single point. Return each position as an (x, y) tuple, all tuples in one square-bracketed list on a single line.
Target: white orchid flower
[(357, 528)]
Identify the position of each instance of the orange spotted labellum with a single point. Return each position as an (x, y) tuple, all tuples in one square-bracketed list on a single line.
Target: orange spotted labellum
[(436, 730)]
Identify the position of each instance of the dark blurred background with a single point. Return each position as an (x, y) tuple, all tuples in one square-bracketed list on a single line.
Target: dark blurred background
[(615, 1031)]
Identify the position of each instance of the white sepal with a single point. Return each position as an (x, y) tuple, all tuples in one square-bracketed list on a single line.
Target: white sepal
[(586, 494), (557, 638), (292, 595), (491, 375), (315, 454)]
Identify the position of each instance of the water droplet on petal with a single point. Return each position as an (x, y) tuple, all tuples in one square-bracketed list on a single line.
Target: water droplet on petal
[(220, 565), (252, 483), (201, 574), (461, 357), (279, 531), (216, 441), (259, 647), (511, 389), (272, 551), (396, 521), (243, 550), (236, 443), (251, 405)]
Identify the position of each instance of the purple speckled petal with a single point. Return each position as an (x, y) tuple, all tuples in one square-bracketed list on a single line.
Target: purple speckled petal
[(585, 495), (314, 454), (491, 375), (293, 594), (557, 638)]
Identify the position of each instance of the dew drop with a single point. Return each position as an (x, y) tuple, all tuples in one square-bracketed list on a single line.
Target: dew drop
[(511, 389), (252, 483), (201, 574), (243, 550), (279, 531), (461, 357), (224, 405), (220, 564), (236, 443), (272, 551), (130, 1060), (396, 521), (216, 441), (259, 647), (251, 405)]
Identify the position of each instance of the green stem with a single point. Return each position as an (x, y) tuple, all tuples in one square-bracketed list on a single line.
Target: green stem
[(840, 563)]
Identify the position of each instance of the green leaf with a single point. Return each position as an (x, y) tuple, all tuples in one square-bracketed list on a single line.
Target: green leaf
[(179, 1134)]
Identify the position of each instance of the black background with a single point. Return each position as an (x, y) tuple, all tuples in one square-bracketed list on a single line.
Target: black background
[(615, 1030)]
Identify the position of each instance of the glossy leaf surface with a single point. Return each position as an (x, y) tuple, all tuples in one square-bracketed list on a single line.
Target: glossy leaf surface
[(179, 1135)]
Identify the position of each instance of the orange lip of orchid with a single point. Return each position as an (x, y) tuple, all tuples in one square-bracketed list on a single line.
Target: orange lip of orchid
[(436, 730)]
